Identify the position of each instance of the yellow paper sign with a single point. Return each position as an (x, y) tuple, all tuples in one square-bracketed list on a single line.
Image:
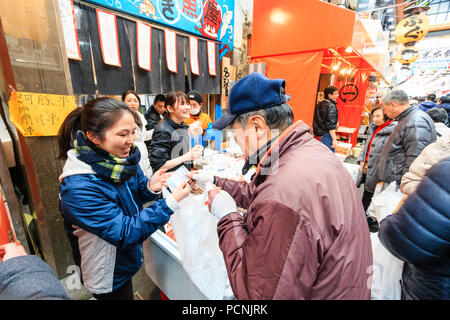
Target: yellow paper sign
[(39, 114)]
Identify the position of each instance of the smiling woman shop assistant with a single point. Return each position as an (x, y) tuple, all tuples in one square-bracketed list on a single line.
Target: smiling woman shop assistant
[(171, 146), (102, 194)]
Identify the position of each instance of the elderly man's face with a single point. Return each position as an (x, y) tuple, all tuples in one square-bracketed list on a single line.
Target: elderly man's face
[(251, 138)]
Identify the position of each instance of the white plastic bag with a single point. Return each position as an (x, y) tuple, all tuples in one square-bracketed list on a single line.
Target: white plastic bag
[(384, 202), (387, 269), (196, 236), (387, 272)]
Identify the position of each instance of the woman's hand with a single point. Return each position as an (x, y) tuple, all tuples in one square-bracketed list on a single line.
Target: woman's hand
[(181, 191), (158, 180)]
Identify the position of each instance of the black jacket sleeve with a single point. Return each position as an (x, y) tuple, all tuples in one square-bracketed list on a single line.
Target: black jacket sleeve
[(160, 148), (332, 117), (152, 121), (29, 278)]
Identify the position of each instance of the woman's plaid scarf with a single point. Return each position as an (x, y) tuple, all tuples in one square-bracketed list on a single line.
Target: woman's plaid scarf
[(104, 164)]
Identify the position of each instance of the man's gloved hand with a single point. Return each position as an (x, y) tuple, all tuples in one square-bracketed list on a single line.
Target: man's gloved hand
[(201, 178), (220, 203)]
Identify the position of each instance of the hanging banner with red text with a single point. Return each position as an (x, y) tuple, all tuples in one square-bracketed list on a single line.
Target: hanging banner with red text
[(212, 58), (193, 53), (69, 29), (109, 39), (144, 45), (171, 50)]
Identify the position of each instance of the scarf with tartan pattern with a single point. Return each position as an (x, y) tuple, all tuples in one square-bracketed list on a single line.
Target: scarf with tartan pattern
[(105, 164)]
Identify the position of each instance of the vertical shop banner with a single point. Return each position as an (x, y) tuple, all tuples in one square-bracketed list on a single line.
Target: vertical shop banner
[(212, 19), (193, 54), (69, 29), (109, 39), (144, 45), (211, 45), (38, 114), (170, 38), (228, 75)]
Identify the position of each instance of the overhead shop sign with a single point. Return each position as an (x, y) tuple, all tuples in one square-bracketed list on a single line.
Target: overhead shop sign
[(212, 19)]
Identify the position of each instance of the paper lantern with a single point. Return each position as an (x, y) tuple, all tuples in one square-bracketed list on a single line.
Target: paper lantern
[(407, 55), (412, 29)]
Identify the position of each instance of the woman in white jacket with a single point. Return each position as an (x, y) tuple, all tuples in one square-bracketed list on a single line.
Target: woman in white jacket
[(429, 156), (132, 100)]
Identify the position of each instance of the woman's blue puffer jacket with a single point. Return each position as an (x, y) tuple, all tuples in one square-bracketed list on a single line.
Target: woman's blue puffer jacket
[(419, 234)]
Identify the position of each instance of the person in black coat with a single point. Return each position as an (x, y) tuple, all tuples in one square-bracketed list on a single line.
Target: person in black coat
[(156, 112), (171, 143), (444, 103), (419, 235), (326, 118)]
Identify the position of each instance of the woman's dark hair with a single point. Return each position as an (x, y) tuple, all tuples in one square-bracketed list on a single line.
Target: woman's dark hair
[(96, 116), (329, 90), (174, 97), (124, 95), (136, 118), (379, 107)]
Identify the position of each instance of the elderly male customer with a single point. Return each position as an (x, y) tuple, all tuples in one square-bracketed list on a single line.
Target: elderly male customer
[(415, 130), (302, 236)]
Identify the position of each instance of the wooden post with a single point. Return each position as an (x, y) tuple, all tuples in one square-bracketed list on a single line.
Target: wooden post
[(13, 204)]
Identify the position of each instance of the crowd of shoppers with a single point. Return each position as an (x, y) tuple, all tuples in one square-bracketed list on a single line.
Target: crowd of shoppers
[(292, 243)]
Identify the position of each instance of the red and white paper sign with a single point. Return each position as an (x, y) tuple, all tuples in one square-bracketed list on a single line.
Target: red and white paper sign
[(171, 50), (109, 38), (212, 58), (69, 29), (144, 45), (193, 53)]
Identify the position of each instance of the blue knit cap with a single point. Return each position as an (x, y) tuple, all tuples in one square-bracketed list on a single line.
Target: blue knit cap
[(251, 93)]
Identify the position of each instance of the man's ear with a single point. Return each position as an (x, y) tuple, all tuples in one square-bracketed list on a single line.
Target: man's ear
[(259, 124), (93, 138)]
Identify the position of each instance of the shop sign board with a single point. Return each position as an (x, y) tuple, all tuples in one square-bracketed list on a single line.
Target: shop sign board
[(39, 114), (211, 19)]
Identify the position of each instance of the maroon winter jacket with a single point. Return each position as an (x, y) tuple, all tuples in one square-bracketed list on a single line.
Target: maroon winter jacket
[(305, 235)]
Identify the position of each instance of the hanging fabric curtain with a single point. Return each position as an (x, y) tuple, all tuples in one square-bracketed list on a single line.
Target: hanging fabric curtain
[(109, 39), (170, 40), (81, 72), (171, 81), (211, 45), (112, 80), (145, 82), (193, 55), (143, 45), (69, 29)]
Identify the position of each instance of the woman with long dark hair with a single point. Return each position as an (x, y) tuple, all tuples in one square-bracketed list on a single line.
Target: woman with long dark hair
[(102, 193), (143, 136), (171, 147)]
